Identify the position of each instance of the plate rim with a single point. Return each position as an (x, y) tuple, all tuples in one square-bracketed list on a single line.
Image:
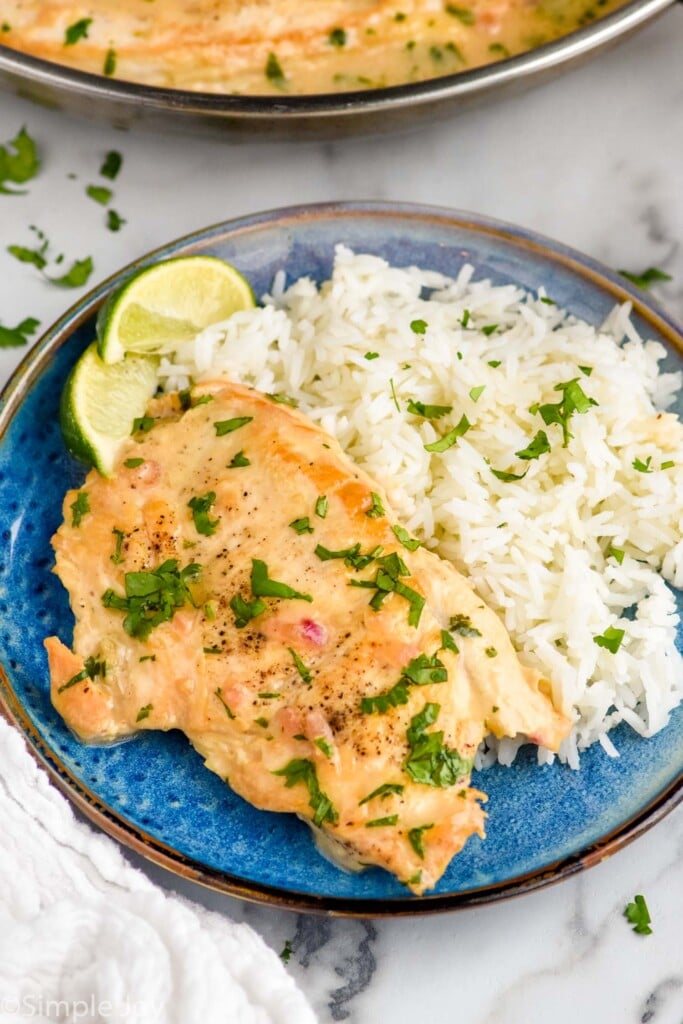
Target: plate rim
[(136, 838)]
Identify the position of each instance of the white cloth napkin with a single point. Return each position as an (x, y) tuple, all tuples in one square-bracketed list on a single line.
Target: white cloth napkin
[(86, 938)]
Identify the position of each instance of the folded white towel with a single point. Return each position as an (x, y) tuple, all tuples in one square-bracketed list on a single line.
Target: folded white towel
[(86, 938)]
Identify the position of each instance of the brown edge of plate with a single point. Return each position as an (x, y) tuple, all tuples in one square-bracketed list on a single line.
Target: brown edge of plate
[(316, 116), (161, 854)]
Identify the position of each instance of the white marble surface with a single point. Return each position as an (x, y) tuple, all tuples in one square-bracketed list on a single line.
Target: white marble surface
[(593, 159)]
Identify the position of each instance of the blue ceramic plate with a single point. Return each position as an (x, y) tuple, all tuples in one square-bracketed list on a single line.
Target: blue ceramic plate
[(152, 793)]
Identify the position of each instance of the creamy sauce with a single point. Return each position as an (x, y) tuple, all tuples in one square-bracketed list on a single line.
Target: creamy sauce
[(280, 47)]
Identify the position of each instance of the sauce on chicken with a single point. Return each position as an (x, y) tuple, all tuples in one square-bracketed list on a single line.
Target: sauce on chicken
[(240, 579)]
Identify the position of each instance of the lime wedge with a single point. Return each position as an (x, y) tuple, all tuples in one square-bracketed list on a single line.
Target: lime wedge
[(100, 402), (161, 306)]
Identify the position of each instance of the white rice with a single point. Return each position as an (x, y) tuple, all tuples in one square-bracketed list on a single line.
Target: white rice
[(535, 549)]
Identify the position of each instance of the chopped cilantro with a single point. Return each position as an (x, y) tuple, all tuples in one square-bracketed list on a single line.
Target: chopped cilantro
[(245, 611), (391, 819), (488, 331), (393, 394), (646, 278), (117, 557), (91, 669), (491, 652), (387, 581), (21, 165), (463, 14), (428, 412), (494, 363), (616, 553), (144, 712), (337, 37), (302, 525), (224, 427), (574, 399), (114, 220), (538, 446), (228, 710), (142, 424), (301, 668), (79, 30), (408, 542), (371, 355), (430, 761), (322, 744), (638, 915), (263, 586), (321, 506), (421, 671), (610, 639), (133, 463), (274, 72), (548, 301), (109, 67), (153, 597), (462, 626), (281, 399), (79, 508), (211, 650), (476, 393), (263, 722), (301, 770), (501, 474), (415, 838), (200, 506), (26, 255), (77, 274), (99, 193), (448, 643), (446, 442), (377, 508), (239, 461), (13, 337), (352, 556), (383, 791), (111, 165), (668, 464), (586, 370), (418, 326), (642, 467), (286, 953)]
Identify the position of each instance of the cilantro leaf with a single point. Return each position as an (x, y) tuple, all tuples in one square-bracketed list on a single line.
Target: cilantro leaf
[(224, 427), (642, 467), (385, 790), (430, 761), (301, 770), (415, 838), (391, 819), (239, 461), (301, 667), (200, 506), (79, 508), (337, 37), (476, 393), (153, 597), (408, 542), (109, 66), (99, 193), (114, 220), (91, 669), (111, 165), (501, 474), (616, 553), (321, 506), (646, 278), (418, 326), (610, 639), (79, 30), (574, 399), (638, 915), (302, 525), (245, 611), (77, 274), (538, 446), (448, 440), (13, 337), (376, 510), (274, 72), (462, 625), (228, 710), (144, 712), (421, 671), (263, 586), (21, 165), (428, 412), (463, 14)]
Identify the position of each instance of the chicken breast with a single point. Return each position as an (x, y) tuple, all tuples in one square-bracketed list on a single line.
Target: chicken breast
[(240, 579)]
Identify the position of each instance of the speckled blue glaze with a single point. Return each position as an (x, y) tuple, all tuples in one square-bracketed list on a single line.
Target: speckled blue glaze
[(539, 819)]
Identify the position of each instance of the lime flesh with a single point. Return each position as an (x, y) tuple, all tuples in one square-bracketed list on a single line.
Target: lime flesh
[(99, 404), (164, 305)]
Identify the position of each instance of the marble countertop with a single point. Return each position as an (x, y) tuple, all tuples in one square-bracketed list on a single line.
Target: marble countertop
[(592, 159)]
